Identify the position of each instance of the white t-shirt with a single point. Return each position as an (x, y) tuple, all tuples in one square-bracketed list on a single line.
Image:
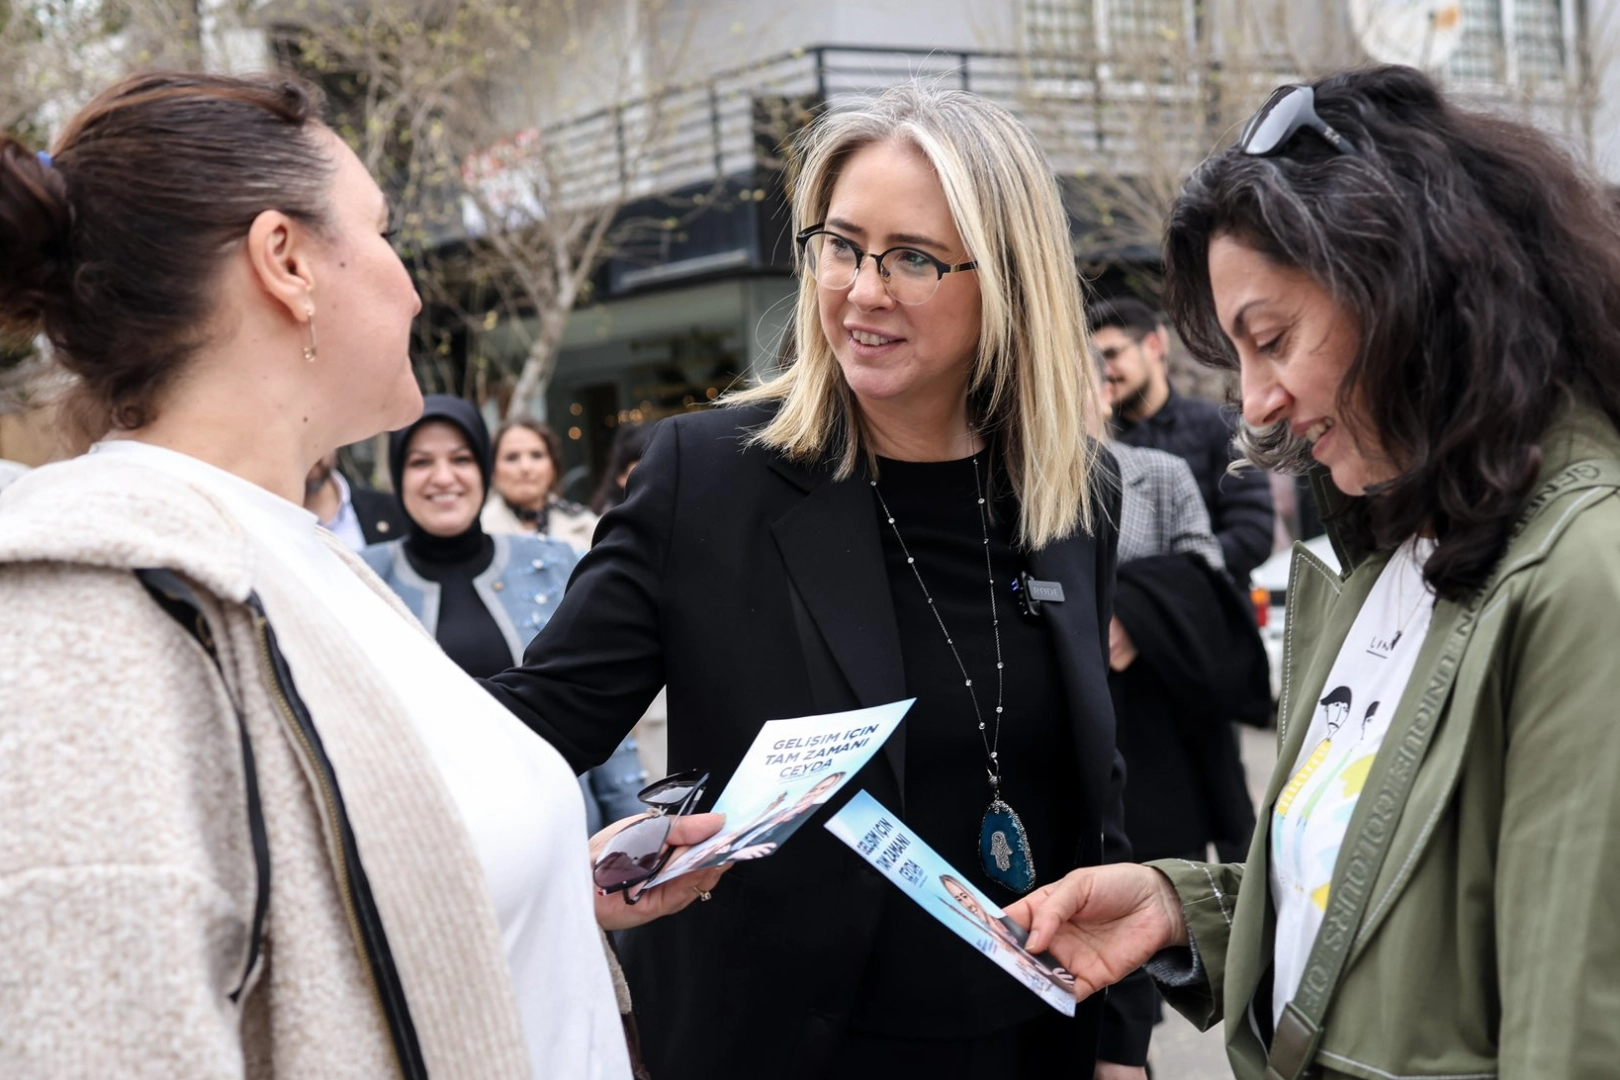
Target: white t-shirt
[(1313, 812), (517, 797)]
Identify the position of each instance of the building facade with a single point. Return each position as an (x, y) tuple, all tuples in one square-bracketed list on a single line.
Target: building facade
[(1126, 95)]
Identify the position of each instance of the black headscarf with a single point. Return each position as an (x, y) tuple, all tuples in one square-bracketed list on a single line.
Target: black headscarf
[(465, 416), (453, 410)]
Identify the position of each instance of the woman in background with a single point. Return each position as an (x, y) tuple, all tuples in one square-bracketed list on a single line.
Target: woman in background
[(526, 487), (256, 822), (630, 443), (482, 597)]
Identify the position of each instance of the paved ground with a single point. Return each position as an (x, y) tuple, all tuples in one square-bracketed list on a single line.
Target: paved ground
[(1179, 1052)]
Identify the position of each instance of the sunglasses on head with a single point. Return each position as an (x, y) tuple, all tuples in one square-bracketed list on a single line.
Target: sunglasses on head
[(637, 852), (1288, 110)]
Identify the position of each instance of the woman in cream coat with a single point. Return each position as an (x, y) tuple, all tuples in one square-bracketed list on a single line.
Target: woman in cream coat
[(242, 834)]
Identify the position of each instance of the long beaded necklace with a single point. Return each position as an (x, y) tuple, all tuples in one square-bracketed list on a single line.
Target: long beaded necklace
[(1003, 844)]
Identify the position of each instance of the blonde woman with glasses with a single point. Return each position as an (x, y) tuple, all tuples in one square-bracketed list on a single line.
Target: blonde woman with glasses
[(848, 533)]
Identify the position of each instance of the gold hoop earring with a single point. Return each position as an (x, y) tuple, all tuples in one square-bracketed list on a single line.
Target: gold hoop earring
[(310, 350)]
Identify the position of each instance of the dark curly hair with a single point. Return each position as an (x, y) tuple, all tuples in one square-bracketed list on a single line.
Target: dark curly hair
[(629, 444), (1482, 269), (112, 247)]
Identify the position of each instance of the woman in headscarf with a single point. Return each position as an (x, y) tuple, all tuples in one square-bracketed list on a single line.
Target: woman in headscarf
[(483, 597)]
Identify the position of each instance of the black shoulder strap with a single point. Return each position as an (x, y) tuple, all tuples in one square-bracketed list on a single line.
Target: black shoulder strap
[(176, 597)]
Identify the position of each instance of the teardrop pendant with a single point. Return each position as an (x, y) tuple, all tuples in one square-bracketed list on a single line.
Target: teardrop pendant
[(1004, 848)]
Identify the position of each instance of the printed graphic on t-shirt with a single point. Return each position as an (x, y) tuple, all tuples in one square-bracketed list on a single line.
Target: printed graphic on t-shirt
[(1325, 789), (1348, 725)]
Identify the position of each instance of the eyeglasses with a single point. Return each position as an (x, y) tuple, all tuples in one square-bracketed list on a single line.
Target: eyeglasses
[(910, 276), (1286, 111), (637, 852), (1114, 352)]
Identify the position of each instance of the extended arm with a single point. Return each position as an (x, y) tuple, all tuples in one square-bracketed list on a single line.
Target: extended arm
[(1104, 922), (589, 675)]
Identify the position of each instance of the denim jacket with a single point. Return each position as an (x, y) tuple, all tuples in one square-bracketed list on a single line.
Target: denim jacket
[(521, 588)]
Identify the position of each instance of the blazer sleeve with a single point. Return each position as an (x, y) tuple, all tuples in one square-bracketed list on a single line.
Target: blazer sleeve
[(588, 676), (1243, 518), (1186, 519)]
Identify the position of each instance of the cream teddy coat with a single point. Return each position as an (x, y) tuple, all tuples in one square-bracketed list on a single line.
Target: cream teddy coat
[(127, 882)]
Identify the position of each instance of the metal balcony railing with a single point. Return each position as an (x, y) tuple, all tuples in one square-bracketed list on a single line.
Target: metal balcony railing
[(1090, 114)]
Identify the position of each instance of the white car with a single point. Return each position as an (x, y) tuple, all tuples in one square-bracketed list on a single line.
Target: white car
[(1268, 588)]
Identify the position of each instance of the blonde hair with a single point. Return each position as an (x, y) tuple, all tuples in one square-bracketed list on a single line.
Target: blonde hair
[(1026, 392)]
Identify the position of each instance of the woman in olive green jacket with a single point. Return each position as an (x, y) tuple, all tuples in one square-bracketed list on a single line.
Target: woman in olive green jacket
[(1424, 304)]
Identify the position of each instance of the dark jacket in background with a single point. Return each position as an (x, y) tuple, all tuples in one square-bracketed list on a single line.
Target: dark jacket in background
[(381, 517), (1240, 510), (1200, 664)]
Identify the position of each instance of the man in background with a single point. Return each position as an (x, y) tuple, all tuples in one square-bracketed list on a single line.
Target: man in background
[(355, 515), (1131, 343)]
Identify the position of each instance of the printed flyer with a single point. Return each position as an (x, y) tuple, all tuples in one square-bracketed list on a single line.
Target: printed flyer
[(793, 767), (881, 839)]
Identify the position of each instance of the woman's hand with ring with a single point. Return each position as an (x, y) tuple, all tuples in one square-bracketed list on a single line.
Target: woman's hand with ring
[(612, 913)]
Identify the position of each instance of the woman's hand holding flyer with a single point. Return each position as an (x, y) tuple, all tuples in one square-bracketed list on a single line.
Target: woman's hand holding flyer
[(612, 913), (944, 892), (1103, 922), (792, 768)]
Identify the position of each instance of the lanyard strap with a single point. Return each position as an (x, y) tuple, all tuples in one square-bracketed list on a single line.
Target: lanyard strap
[(1299, 1031)]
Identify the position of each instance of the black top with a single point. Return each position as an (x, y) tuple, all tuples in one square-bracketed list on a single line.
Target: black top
[(466, 630), (1200, 663), (949, 988), (1239, 504), (381, 517)]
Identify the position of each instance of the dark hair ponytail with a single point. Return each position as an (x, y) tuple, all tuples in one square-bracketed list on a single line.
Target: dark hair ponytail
[(34, 223), (112, 248)]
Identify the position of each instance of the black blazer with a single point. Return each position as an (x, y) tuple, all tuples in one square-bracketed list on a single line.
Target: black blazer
[(1239, 504), (756, 589), (1200, 664), (381, 516)]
